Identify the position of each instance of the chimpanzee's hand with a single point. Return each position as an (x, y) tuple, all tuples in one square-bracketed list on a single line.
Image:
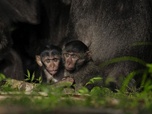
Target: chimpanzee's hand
[(68, 79), (65, 82)]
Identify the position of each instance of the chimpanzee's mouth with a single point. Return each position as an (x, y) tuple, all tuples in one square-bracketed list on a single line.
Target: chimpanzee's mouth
[(53, 72), (69, 68)]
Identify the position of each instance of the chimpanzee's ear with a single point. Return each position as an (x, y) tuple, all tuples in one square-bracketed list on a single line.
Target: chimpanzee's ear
[(38, 60)]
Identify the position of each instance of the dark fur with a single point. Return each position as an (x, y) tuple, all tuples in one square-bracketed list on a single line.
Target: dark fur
[(11, 65), (85, 69), (111, 29), (47, 50), (87, 72), (12, 12)]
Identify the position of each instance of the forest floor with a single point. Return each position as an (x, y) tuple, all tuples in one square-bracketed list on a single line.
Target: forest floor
[(19, 97)]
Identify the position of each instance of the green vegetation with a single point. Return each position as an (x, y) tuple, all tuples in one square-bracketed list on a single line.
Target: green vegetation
[(45, 98)]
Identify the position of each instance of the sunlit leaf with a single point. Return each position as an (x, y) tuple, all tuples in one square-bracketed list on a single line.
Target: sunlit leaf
[(94, 80), (83, 90)]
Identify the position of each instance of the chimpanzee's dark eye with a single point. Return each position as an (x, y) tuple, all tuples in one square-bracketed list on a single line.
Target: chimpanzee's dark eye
[(56, 59), (66, 54), (74, 56), (47, 60)]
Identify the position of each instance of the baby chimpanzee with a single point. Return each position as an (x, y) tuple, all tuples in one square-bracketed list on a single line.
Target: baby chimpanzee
[(79, 64), (50, 63)]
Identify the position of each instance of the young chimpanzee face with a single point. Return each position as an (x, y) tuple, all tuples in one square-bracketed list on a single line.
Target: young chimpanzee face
[(70, 60), (49, 59), (51, 63), (75, 55)]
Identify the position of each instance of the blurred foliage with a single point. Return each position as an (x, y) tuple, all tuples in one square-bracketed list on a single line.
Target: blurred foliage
[(46, 98)]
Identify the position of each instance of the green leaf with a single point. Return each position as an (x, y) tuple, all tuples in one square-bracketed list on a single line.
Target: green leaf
[(2, 77), (83, 90), (33, 77), (126, 81), (149, 66), (39, 79), (96, 91), (28, 73), (94, 80)]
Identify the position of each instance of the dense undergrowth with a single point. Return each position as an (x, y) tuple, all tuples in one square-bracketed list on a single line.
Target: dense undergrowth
[(44, 98)]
